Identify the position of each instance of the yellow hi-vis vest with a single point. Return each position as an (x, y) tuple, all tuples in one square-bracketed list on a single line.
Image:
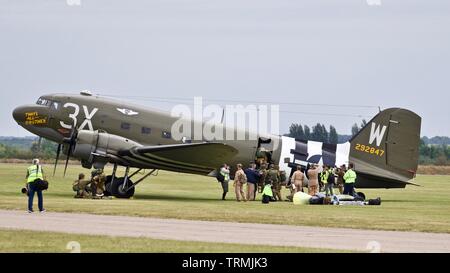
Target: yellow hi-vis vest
[(324, 176), (34, 172), (350, 176)]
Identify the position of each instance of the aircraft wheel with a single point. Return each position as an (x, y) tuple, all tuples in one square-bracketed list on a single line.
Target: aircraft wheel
[(116, 188), (108, 190)]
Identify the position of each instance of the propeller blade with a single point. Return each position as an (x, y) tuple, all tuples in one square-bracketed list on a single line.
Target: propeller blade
[(39, 144), (67, 159), (72, 142), (58, 152)]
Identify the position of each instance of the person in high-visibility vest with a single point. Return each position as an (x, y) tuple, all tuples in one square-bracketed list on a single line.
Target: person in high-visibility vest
[(35, 173), (225, 172), (327, 177), (350, 179)]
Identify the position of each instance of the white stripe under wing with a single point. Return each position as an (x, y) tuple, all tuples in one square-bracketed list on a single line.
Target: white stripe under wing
[(314, 148), (287, 144), (343, 154)]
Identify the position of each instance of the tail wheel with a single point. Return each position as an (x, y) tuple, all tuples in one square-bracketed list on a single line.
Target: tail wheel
[(117, 188)]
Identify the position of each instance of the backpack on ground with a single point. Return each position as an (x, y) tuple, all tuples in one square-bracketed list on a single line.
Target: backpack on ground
[(375, 202)]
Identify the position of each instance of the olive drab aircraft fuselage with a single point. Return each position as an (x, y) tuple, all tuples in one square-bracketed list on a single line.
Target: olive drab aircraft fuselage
[(99, 130)]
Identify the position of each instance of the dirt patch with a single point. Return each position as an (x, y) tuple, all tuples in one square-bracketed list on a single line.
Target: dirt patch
[(434, 170)]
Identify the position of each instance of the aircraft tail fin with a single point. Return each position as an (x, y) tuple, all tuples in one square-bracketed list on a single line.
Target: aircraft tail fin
[(388, 146)]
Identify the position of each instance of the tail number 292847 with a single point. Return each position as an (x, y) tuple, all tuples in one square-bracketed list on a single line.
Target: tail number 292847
[(369, 149)]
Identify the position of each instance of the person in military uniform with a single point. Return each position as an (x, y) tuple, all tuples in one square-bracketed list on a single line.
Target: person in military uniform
[(98, 181), (261, 157), (313, 183), (81, 186), (240, 179), (262, 177), (297, 180), (275, 179), (340, 172)]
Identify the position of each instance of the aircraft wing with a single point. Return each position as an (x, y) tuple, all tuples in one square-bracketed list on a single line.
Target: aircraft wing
[(197, 158)]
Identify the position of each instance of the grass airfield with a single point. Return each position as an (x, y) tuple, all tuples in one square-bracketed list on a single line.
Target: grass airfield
[(13, 241), (181, 196)]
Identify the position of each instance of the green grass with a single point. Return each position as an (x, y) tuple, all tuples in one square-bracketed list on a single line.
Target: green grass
[(51, 242), (181, 196)]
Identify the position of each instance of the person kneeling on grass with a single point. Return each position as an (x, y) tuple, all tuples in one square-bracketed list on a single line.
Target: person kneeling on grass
[(267, 194), (81, 186)]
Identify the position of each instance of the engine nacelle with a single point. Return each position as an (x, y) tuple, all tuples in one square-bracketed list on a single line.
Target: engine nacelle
[(100, 148)]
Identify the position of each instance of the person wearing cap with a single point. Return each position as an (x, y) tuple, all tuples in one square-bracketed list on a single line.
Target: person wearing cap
[(35, 173)]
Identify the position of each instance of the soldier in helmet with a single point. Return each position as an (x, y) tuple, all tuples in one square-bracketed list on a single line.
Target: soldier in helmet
[(262, 177), (274, 176), (98, 181), (81, 186)]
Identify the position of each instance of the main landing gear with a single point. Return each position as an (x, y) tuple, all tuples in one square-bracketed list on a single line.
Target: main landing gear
[(123, 187)]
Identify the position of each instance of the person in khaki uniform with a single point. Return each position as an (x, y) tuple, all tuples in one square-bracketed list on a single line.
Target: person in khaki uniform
[(313, 184), (80, 186), (274, 176), (99, 181), (297, 180), (240, 179), (340, 178)]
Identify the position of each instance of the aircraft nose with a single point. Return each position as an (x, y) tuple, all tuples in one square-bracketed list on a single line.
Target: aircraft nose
[(31, 115), (19, 114)]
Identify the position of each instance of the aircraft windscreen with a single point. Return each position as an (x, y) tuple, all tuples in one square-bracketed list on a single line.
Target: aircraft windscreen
[(48, 103)]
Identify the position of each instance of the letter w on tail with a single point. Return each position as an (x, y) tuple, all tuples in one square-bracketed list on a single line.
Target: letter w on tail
[(376, 133)]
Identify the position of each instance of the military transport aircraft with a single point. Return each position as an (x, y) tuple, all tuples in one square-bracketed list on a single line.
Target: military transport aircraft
[(98, 130)]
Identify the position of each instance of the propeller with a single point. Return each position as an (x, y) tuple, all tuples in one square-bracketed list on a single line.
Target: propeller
[(39, 145), (58, 152), (71, 141)]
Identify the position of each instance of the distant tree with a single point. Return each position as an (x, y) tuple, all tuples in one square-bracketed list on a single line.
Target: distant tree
[(296, 131), (355, 129), (307, 132), (316, 134), (333, 137), (325, 135), (363, 124)]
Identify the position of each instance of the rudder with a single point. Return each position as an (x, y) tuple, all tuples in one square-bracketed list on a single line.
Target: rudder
[(388, 146)]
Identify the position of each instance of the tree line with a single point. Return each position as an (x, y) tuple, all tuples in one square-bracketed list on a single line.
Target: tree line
[(44, 150), (429, 154)]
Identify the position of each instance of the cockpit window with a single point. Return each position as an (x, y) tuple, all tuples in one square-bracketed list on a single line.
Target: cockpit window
[(55, 105), (48, 103)]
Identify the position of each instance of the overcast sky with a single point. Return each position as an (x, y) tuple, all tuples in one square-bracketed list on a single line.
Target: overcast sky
[(335, 52)]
